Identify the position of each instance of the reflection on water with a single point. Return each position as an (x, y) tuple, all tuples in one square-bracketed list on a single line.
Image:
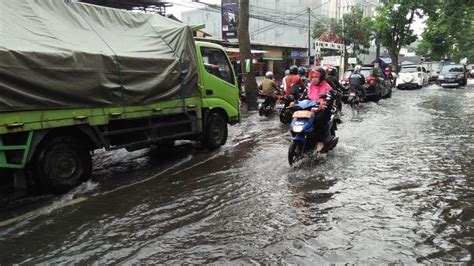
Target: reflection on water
[(397, 188)]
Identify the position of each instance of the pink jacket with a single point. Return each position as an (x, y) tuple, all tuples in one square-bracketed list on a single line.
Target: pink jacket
[(315, 90)]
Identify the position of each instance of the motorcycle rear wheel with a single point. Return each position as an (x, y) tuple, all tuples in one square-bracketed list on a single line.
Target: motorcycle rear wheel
[(295, 152)]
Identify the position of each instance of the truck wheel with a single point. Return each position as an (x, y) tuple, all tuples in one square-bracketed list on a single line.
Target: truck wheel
[(62, 164), (216, 131)]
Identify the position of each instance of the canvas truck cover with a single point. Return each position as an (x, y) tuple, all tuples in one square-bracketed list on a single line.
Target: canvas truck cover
[(62, 54)]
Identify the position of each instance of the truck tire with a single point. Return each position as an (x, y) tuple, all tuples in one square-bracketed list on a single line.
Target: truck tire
[(215, 134), (62, 163)]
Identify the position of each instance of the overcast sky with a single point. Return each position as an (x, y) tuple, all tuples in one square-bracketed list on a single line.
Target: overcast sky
[(184, 5)]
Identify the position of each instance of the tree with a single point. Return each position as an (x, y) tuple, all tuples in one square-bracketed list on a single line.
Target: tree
[(393, 25), (358, 31), (318, 30), (449, 30), (245, 54)]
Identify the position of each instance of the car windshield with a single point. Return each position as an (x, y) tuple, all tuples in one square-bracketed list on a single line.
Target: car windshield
[(452, 69), (408, 69)]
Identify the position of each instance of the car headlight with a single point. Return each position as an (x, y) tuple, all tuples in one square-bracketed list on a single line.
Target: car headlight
[(440, 77), (460, 76)]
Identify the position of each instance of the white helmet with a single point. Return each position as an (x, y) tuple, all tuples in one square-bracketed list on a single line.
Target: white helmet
[(269, 75), (357, 68)]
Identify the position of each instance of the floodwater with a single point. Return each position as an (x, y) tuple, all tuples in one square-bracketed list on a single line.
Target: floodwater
[(398, 188)]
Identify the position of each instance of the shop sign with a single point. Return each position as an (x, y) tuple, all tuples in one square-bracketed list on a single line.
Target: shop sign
[(297, 54), (272, 56)]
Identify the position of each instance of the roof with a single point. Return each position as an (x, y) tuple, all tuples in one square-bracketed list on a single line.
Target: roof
[(330, 36)]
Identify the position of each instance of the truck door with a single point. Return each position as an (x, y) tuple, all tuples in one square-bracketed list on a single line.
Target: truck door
[(218, 80)]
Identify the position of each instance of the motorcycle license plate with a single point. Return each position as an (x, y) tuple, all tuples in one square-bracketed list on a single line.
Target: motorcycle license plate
[(352, 94), (280, 106)]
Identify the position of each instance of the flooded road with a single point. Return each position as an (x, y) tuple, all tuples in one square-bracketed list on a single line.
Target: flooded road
[(398, 188)]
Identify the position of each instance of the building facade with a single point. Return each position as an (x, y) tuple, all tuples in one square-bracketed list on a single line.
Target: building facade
[(282, 27)]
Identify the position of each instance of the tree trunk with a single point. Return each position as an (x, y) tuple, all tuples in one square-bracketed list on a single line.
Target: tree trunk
[(394, 57), (249, 81)]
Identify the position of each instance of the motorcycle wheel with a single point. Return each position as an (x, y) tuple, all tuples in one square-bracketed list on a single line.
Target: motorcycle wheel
[(268, 111), (295, 151), (286, 115), (261, 111)]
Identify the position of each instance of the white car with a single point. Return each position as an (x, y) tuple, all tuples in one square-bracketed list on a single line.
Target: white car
[(412, 76)]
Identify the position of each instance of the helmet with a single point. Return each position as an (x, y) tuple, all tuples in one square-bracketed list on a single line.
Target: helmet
[(332, 72), (293, 70), (269, 75), (357, 68), (322, 72), (287, 72), (301, 71)]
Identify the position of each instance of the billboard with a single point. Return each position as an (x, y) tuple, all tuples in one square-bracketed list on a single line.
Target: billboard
[(230, 18)]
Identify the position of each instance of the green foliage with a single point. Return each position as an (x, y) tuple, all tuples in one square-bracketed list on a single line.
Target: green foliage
[(319, 29), (356, 33), (393, 22), (449, 30)]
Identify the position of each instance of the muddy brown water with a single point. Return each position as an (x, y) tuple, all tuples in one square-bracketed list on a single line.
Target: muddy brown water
[(398, 188)]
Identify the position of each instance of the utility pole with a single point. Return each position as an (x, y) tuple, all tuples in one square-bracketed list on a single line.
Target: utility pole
[(309, 36), (246, 56)]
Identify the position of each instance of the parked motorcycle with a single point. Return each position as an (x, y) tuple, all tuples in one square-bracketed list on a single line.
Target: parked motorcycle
[(303, 132)]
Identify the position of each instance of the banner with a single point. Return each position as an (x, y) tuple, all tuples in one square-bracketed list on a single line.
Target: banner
[(230, 18), (331, 61)]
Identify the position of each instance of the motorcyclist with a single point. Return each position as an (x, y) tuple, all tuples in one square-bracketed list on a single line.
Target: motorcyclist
[(302, 74), (268, 88), (357, 80), (283, 82), (333, 80), (294, 83), (317, 87), (390, 76)]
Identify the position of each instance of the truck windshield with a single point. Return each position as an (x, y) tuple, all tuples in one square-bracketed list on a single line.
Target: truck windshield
[(216, 63)]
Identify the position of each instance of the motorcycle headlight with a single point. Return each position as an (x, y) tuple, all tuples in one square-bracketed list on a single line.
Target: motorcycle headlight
[(298, 128)]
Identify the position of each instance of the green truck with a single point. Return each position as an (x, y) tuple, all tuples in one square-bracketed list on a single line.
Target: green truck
[(76, 77)]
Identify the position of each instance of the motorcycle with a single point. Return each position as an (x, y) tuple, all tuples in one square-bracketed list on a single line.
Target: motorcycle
[(266, 104), (354, 98), (286, 113), (303, 132)]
